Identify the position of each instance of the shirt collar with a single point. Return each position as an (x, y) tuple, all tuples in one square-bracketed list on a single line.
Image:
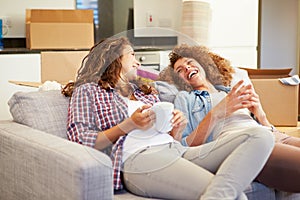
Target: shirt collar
[(218, 87)]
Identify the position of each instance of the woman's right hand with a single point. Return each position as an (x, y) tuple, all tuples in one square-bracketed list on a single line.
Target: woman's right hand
[(143, 118), (237, 98)]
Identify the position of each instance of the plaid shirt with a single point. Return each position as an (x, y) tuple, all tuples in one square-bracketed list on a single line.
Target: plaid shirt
[(93, 110)]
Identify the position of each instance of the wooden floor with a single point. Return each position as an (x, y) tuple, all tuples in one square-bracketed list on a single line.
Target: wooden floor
[(294, 131)]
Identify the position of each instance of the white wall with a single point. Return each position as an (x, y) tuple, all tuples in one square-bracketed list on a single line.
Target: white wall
[(234, 31), (279, 40), (16, 67), (165, 14), (233, 26), (15, 10)]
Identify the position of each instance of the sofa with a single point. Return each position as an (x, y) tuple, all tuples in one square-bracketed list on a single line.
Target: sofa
[(37, 161)]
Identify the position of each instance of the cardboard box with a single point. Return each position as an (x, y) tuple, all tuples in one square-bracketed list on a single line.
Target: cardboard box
[(59, 66), (279, 101), (59, 29)]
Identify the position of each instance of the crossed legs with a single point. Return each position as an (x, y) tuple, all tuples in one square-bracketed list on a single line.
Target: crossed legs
[(282, 170)]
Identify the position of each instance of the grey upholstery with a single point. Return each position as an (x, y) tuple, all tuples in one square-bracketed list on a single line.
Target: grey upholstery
[(38, 162), (37, 165), (44, 110)]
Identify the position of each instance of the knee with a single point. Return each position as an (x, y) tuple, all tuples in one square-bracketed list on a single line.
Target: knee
[(264, 135)]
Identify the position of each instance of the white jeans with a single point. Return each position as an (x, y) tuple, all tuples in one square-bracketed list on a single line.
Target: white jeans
[(221, 169)]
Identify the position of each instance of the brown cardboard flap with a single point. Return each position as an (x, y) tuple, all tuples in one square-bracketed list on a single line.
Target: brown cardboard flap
[(59, 16), (268, 73), (26, 83)]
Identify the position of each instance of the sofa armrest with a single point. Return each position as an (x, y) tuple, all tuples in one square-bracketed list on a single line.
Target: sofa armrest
[(37, 165)]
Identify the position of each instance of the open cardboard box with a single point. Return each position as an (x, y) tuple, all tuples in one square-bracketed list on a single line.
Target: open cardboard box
[(59, 66), (59, 29), (279, 101)]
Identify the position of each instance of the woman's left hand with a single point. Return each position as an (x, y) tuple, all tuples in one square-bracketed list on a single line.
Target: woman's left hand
[(179, 123), (255, 102), (257, 108)]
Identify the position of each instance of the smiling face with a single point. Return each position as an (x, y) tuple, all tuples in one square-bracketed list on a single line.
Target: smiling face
[(191, 72), (129, 63)]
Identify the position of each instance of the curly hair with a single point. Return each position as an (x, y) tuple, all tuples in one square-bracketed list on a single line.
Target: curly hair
[(102, 65), (202, 56), (224, 67), (218, 69)]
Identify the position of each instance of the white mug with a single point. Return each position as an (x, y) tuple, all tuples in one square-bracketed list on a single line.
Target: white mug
[(164, 115)]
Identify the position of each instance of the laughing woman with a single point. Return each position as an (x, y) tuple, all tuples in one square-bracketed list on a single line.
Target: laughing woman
[(212, 115)]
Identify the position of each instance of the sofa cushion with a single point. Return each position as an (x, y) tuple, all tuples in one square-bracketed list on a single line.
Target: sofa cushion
[(43, 110), (167, 92)]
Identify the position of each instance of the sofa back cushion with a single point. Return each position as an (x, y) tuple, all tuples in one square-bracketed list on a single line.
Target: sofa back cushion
[(43, 110)]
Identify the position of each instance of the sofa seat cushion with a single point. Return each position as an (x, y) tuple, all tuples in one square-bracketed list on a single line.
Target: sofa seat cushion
[(43, 110)]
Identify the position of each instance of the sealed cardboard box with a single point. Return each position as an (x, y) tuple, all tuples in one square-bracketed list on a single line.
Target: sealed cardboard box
[(59, 29), (279, 101)]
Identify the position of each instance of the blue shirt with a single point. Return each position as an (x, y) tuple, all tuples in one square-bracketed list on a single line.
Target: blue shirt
[(195, 105)]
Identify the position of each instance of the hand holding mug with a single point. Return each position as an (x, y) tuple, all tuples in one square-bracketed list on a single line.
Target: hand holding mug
[(164, 115)]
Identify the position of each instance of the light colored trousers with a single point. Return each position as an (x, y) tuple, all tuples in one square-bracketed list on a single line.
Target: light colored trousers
[(221, 169)]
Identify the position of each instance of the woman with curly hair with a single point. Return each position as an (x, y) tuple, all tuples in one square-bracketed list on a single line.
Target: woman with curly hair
[(108, 110), (203, 70)]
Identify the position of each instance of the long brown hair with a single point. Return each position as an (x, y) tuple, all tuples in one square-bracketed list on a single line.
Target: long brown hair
[(103, 66)]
